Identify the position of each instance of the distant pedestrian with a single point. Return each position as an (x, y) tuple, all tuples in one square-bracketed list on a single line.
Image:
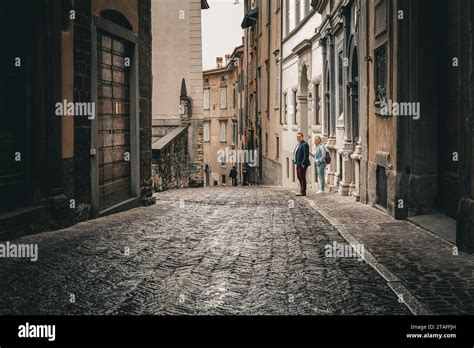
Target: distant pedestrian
[(320, 160), (245, 175), (233, 175), (301, 160)]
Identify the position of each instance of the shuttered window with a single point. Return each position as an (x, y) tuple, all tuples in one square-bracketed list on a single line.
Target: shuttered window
[(207, 133), (223, 98), (206, 99)]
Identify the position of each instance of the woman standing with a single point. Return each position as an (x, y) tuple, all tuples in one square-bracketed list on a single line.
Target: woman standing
[(320, 159)]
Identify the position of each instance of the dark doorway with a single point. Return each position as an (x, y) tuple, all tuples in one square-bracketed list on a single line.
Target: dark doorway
[(15, 62), (206, 175), (381, 187), (448, 121), (114, 120), (354, 95)]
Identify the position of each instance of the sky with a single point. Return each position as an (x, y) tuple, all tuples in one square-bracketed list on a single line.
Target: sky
[(221, 31)]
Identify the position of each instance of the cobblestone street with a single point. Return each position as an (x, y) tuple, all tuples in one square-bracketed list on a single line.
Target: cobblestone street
[(244, 250)]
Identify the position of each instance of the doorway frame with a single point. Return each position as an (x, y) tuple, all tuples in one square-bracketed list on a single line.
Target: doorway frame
[(111, 28)]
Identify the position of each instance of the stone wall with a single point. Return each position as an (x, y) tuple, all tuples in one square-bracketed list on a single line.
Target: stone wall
[(145, 86), (271, 172), (82, 93), (170, 163)]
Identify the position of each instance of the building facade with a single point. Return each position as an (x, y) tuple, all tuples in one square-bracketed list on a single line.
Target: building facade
[(269, 90), (80, 145), (251, 123), (221, 109), (405, 117), (177, 56), (301, 105), (338, 39)]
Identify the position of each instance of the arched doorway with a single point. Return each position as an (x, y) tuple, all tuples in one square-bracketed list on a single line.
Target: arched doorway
[(115, 177)]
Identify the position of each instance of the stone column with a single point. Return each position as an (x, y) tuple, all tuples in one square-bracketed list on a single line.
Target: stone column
[(325, 95), (354, 104), (356, 156), (331, 142)]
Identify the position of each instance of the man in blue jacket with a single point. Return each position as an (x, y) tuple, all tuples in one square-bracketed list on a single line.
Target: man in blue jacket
[(301, 160)]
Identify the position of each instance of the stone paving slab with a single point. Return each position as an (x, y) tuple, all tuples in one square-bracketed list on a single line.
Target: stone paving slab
[(428, 266), (437, 223), (218, 251)]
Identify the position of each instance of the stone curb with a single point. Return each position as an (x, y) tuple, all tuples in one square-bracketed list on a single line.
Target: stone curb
[(394, 283)]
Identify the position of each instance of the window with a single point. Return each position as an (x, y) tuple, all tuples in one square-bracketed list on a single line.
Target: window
[(241, 121), (340, 86), (234, 132), (380, 75), (267, 87), (287, 17), (207, 133), (251, 110), (234, 97), (266, 144), (268, 11), (298, 12), (206, 99), (277, 143), (222, 131), (277, 80), (294, 108), (381, 52), (259, 90), (223, 178), (317, 104), (223, 98)]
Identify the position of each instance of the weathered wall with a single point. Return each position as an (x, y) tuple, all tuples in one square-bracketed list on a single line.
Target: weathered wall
[(82, 93), (272, 172), (145, 86), (170, 164), (213, 116), (177, 54)]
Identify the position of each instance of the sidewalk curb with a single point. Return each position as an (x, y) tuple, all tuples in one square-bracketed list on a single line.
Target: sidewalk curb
[(394, 283)]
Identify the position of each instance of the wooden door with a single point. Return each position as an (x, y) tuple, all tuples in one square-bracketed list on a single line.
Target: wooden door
[(113, 120)]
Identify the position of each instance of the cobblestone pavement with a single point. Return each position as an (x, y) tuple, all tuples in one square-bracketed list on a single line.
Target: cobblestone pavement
[(427, 265), (197, 251)]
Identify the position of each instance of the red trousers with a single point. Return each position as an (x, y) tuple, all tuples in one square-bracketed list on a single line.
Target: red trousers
[(301, 174)]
